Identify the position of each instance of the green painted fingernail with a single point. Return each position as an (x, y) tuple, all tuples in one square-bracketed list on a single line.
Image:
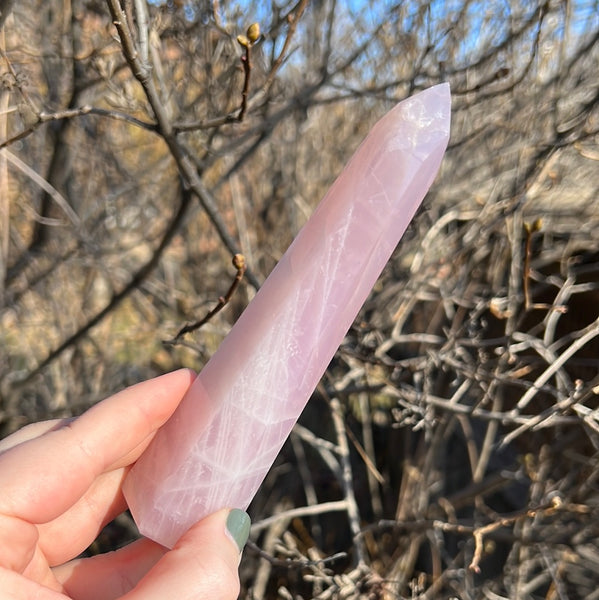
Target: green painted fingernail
[(238, 527)]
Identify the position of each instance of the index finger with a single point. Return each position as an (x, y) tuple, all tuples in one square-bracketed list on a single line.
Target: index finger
[(62, 463)]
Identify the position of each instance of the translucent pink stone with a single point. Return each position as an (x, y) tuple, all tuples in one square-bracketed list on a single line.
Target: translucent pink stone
[(216, 449)]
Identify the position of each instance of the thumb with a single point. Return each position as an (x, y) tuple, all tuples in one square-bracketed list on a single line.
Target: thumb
[(203, 564)]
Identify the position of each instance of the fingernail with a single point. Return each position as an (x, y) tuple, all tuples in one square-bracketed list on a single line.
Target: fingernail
[(238, 527)]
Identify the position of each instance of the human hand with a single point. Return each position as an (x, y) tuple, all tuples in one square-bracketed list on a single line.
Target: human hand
[(60, 483)]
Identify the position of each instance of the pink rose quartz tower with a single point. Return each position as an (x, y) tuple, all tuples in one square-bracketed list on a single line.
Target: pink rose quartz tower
[(216, 449)]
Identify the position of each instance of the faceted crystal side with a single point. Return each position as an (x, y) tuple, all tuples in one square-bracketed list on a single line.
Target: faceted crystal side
[(218, 446)]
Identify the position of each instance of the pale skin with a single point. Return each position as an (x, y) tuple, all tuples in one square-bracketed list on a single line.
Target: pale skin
[(60, 483)]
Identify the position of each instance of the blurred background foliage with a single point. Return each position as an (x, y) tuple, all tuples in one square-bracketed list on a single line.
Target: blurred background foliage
[(463, 401)]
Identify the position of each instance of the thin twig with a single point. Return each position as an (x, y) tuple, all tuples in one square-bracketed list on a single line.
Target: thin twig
[(239, 264), (364, 456), (303, 511), (45, 117), (586, 335), (547, 510), (353, 512), (291, 563), (578, 396), (247, 71)]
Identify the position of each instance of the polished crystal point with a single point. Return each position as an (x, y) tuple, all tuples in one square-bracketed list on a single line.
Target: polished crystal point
[(219, 444)]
